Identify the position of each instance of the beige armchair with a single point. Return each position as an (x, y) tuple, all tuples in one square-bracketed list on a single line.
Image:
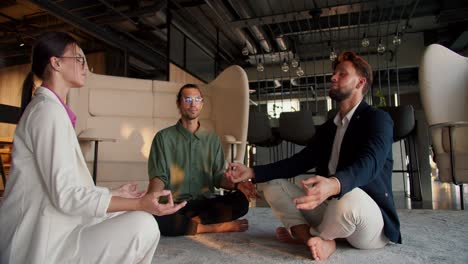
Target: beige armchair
[(131, 111), (443, 76)]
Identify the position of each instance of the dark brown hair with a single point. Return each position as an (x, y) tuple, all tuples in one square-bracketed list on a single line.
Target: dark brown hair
[(50, 44), (187, 86), (362, 67)]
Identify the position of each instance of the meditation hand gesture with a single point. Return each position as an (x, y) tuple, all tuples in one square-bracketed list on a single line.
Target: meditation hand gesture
[(129, 190), (317, 189), (150, 203), (238, 172)]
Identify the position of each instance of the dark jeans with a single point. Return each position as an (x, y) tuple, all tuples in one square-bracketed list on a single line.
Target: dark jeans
[(220, 209)]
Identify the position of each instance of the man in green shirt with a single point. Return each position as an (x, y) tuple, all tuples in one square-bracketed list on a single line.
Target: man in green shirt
[(189, 160)]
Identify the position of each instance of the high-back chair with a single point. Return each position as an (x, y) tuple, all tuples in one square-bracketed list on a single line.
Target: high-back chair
[(260, 134), (443, 76), (131, 111), (404, 125), (297, 127)]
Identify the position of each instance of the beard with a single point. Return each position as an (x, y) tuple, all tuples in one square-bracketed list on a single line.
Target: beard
[(339, 95), (190, 116)]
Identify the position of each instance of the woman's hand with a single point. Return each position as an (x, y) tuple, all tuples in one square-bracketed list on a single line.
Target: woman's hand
[(150, 203), (129, 190)]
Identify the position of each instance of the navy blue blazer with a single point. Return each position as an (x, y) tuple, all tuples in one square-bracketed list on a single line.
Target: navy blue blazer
[(365, 161)]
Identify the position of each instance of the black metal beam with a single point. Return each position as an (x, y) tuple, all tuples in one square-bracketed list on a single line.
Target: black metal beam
[(137, 48)]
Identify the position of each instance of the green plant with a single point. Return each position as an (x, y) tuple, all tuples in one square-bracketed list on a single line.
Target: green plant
[(381, 96)]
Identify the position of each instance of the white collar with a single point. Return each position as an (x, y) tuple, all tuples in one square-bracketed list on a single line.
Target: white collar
[(338, 121)]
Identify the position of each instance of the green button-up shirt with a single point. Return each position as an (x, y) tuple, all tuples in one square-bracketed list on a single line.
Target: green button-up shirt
[(190, 165)]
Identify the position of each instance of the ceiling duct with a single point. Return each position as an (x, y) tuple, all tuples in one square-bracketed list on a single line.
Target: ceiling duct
[(281, 43), (256, 31), (215, 6)]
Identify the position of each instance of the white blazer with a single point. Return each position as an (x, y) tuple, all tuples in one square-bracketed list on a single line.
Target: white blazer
[(49, 196)]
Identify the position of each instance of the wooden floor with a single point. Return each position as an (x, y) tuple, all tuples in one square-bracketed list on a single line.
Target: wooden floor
[(445, 196)]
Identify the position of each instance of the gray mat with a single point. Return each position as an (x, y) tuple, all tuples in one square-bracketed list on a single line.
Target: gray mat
[(428, 237)]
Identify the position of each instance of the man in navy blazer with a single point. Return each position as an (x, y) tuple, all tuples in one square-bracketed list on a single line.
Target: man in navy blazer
[(351, 194)]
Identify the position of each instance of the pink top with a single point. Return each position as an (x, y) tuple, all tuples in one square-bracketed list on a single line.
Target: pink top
[(70, 113)]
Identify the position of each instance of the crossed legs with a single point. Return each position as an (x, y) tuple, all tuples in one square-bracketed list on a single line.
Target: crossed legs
[(219, 214), (355, 217), (129, 237)]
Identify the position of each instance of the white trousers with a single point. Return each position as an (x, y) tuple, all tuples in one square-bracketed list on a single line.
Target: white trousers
[(355, 216), (125, 237)]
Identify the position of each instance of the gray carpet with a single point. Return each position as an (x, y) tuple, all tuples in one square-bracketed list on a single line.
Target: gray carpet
[(428, 237)]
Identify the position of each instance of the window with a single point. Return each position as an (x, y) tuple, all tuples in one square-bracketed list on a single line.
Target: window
[(276, 107), (198, 62)]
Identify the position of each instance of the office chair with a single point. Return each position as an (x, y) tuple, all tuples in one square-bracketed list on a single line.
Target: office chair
[(404, 125)]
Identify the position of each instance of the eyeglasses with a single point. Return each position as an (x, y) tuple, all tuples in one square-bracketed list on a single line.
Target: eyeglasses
[(195, 99), (79, 59)]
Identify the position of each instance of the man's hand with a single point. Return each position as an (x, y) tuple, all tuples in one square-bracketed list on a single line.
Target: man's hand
[(317, 189), (129, 190), (248, 189), (150, 203), (238, 172)]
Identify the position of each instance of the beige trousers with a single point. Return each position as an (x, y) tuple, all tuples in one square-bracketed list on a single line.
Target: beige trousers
[(355, 216)]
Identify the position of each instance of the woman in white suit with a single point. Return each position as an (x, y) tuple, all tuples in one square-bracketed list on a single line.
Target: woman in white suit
[(51, 211)]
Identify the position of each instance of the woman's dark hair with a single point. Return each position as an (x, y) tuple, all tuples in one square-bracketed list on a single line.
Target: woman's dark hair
[(186, 86), (50, 44)]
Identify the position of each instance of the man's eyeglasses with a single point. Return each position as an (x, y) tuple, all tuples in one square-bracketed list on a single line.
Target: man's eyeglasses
[(79, 59), (195, 99)]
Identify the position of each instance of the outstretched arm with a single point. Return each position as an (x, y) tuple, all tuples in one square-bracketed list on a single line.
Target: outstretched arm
[(238, 172), (246, 187)]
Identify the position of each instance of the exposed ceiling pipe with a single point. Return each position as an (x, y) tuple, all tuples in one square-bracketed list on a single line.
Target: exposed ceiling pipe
[(245, 40), (245, 13), (281, 43)]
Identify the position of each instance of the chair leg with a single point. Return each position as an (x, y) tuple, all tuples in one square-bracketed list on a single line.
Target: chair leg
[(2, 171), (415, 179), (452, 168), (418, 171), (402, 158), (462, 200)]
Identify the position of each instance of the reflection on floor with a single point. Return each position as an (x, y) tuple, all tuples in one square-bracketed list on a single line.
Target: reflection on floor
[(445, 196)]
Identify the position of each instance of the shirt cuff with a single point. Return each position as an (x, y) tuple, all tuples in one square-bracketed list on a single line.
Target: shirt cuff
[(103, 202), (339, 184)]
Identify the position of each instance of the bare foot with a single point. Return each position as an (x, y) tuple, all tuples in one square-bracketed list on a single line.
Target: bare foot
[(240, 225), (321, 249), (283, 235)]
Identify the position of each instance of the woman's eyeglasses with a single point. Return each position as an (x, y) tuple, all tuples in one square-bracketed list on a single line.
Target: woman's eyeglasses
[(195, 99), (79, 59)]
